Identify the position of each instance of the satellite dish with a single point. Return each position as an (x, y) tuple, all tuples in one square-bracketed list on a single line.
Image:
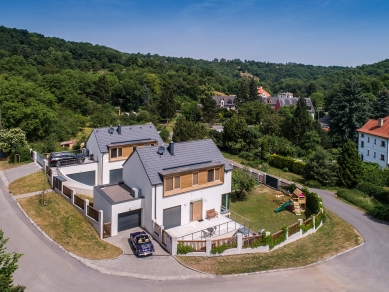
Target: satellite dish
[(161, 150), (111, 130)]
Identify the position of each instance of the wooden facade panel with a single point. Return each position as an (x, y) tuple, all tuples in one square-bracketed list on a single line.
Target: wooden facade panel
[(127, 151), (222, 173), (203, 177), (186, 180)]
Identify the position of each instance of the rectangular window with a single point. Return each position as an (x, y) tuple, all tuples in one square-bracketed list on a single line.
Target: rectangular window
[(362, 144), (368, 152), (211, 175), (382, 157), (176, 182), (375, 141), (116, 152), (383, 143), (195, 178), (368, 139), (169, 184), (374, 155), (217, 174), (362, 135)]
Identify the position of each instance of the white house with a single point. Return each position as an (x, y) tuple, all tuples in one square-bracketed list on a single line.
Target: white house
[(171, 188), (373, 139), (110, 147)]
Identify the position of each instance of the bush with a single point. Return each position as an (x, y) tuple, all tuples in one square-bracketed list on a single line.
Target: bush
[(357, 198), (246, 155), (24, 154), (374, 191), (312, 184), (307, 227), (164, 135), (221, 248), (314, 202), (184, 249), (380, 211), (285, 169), (298, 167), (286, 162)]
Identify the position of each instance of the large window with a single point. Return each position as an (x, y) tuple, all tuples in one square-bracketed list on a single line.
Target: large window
[(383, 143), (211, 175), (116, 152), (362, 144)]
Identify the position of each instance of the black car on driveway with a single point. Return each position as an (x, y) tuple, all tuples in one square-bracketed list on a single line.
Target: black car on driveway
[(65, 158), (142, 243)]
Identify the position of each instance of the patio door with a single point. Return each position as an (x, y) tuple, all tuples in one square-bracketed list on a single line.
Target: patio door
[(196, 210)]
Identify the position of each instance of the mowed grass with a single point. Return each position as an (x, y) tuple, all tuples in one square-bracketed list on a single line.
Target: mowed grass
[(65, 225), (271, 170), (259, 208), (333, 237), (31, 183)]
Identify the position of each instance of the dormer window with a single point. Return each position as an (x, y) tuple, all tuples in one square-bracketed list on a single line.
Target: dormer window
[(116, 152)]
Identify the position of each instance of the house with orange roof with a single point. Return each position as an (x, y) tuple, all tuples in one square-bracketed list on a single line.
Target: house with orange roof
[(262, 92), (373, 139)]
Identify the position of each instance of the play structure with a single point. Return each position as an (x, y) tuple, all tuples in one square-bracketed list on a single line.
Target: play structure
[(297, 202)]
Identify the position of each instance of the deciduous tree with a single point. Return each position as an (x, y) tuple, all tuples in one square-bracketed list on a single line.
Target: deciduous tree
[(242, 181), (381, 104)]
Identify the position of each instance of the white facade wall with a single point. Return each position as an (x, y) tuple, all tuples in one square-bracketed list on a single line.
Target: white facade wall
[(137, 178), (100, 203), (107, 166), (125, 207), (93, 147), (369, 146)]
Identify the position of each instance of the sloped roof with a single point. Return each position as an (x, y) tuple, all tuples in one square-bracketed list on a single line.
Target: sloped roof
[(225, 98), (372, 128), (288, 101), (190, 155), (129, 135), (262, 91)]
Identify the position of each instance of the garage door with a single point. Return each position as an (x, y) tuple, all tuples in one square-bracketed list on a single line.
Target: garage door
[(115, 175), (129, 220), (172, 217), (87, 177)]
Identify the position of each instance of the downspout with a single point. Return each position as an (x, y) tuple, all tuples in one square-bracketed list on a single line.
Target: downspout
[(101, 172), (155, 202)]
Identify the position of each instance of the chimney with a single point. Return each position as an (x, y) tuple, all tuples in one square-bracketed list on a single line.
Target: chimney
[(119, 129), (171, 148), (380, 122)]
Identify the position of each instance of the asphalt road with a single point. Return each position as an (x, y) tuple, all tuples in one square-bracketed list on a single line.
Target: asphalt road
[(44, 267)]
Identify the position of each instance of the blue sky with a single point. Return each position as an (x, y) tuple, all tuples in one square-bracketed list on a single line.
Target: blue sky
[(342, 32)]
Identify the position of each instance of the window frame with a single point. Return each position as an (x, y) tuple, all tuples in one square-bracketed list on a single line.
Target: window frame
[(362, 144), (195, 174), (382, 157), (383, 144), (118, 152), (208, 175)]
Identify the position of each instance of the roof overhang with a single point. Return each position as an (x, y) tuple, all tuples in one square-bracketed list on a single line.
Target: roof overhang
[(187, 168)]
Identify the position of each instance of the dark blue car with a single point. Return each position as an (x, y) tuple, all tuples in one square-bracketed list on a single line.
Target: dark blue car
[(142, 243)]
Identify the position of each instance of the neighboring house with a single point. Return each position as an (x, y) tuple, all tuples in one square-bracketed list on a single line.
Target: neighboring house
[(262, 92), (277, 102), (69, 144), (285, 95), (110, 147), (218, 128), (227, 101), (373, 140), (171, 188)]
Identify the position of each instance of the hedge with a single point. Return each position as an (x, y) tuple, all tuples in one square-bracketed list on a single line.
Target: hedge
[(282, 162), (374, 191), (314, 202)]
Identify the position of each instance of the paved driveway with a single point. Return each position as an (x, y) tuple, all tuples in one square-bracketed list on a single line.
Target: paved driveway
[(44, 267)]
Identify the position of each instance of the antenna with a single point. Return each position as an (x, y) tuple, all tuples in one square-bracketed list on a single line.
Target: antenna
[(111, 130)]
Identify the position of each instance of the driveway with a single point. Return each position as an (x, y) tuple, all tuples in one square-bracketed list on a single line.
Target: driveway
[(45, 267)]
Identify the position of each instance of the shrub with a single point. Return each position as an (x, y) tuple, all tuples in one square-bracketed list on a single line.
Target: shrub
[(380, 211), (298, 167), (286, 162), (164, 134), (312, 184), (374, 191), (24, 154), (262, 241), (184, 249), (246, 155), (221, 248), (285, 169), (314, 202), (357, 198)]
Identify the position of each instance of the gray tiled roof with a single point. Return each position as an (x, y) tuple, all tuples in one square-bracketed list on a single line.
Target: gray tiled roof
[(130, 134), (200, 152), (228, 99), (288, 101)]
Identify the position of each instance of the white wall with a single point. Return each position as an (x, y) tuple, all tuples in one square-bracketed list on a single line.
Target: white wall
[(211, 198), (373, 144), (100, 203), (93, 147), (107, 166), (137, 178), (80, 188)]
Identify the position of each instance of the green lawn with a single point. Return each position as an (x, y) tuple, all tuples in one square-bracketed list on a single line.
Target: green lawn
[(259, 207), (4, 165), (333, 237), (271, 170), (31, 183), (65, 225)]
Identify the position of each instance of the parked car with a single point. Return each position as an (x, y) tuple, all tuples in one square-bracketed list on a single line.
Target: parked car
[(142, 243), (65, 158)]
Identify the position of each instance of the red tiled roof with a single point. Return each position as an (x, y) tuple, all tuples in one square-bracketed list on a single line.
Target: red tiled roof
[(261, 91), (372, 128)]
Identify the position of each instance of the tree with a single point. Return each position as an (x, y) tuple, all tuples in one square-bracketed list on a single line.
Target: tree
[(350, 110), (12, 138), (102, 89), (191, 111), (252, 88), (8, 265), (209, 109), (243, 92), (310, 141), (185, 130), (381, 104), (350, 165), (234, 129), (254, 111), (301, 122), (167, 103), (242, 181), (273, 125), (321, 168)]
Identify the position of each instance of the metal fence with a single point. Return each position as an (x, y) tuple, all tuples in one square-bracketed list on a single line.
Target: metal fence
[(39, 159), (271, 181)]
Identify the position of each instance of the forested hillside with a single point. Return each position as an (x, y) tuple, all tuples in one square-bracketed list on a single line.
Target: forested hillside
[(50, 87)]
